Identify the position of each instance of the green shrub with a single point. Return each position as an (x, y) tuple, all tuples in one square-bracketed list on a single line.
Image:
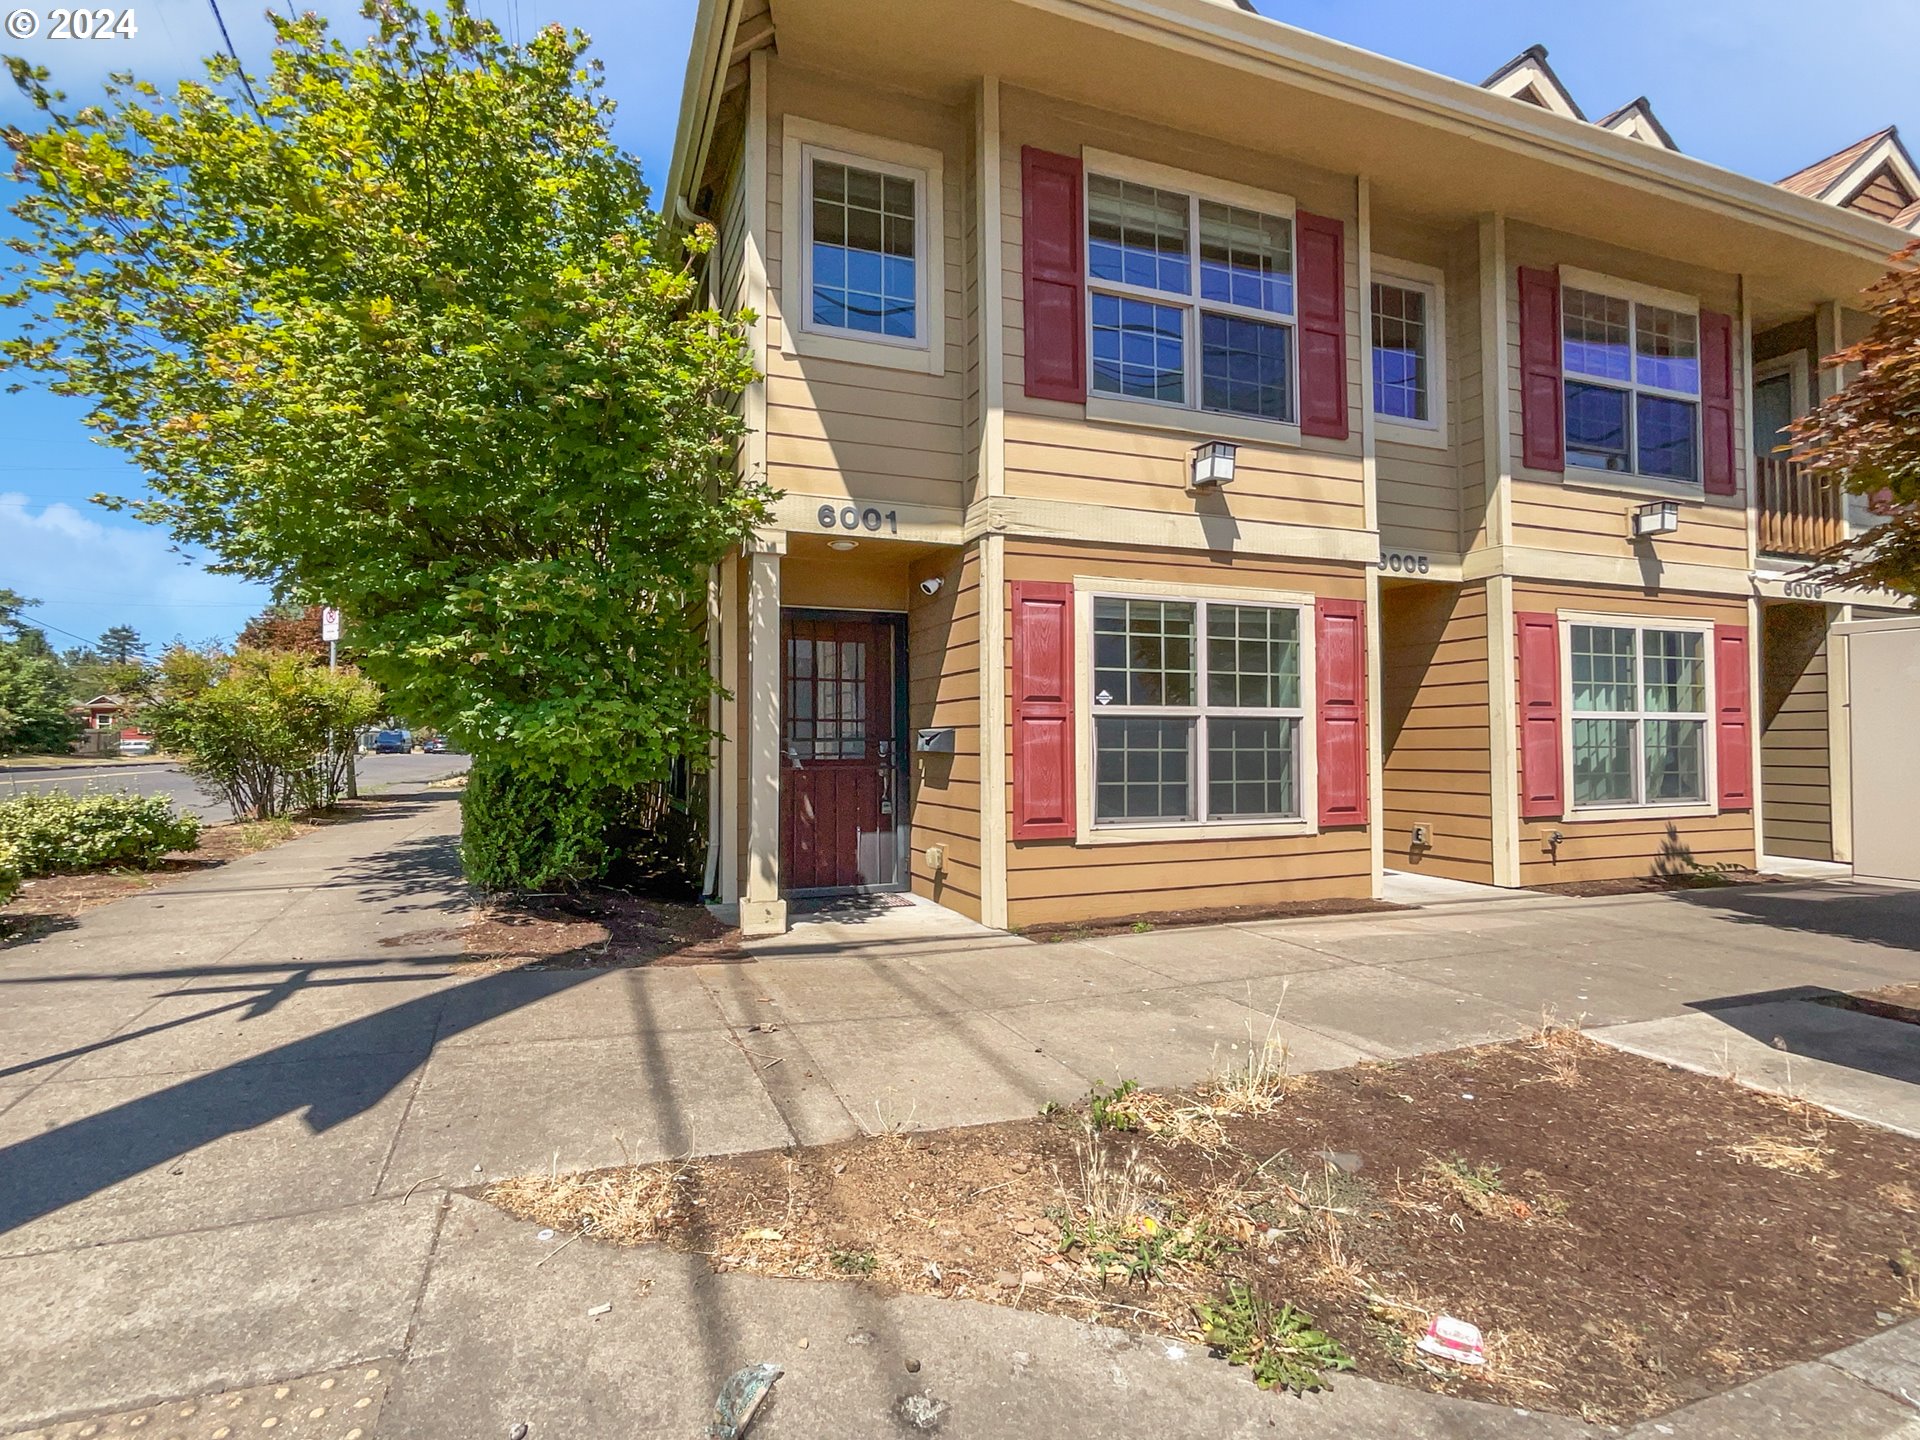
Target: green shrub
[(60, 833), (270, 733), (9, 872), (518, 832)]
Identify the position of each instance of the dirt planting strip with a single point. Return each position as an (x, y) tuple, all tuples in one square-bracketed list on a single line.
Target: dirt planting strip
[(1629, 1236)]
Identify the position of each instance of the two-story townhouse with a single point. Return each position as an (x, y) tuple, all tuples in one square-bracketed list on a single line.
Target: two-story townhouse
[(1217, 464)]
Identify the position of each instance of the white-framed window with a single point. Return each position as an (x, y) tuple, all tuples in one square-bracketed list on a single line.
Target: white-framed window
[(1407, 343), (1637, 713), (862, 267), (1197, 711), (1630, 362), (1190, 300)]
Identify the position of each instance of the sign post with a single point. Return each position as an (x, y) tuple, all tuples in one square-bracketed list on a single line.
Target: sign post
[(330, 632)]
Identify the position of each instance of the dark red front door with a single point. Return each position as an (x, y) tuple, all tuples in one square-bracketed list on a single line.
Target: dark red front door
[(839, 776)]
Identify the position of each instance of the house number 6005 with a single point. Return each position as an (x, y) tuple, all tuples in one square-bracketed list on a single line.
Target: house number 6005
[(852, 517), (1403, 564)]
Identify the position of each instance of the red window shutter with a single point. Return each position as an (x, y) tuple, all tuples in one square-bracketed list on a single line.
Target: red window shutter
[(1043, 761), (1543, 426), (1733, 721), (1322, 268), (1053, 248), (1538, 664), (1716, 403), (1340, 672)]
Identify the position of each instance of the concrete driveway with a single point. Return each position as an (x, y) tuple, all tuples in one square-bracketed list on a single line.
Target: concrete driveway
[(235, 1114)]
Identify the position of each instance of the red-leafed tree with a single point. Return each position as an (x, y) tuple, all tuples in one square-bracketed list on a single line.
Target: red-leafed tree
[(1868, 436)]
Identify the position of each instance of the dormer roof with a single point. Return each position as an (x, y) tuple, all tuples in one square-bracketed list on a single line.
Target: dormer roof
[(1636, 119), (1874, 176), (1529, 77)]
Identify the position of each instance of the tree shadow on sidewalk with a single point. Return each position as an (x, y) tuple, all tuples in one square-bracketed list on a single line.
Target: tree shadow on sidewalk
[(331, 1075)]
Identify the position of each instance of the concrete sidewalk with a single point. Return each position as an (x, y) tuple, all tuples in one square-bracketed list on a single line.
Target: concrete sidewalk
[(233, 1111)]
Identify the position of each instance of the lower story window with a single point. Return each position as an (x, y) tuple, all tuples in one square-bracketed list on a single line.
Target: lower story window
[(1197, 711), (1639, 715)]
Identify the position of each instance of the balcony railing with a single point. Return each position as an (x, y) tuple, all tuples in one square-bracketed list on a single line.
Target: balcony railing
[(1801, 513)]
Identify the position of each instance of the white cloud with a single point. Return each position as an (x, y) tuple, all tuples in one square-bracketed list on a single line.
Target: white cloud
[(92, 571)]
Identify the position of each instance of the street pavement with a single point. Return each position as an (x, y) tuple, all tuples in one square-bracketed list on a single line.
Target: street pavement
[(237, 1115), (148, 777)]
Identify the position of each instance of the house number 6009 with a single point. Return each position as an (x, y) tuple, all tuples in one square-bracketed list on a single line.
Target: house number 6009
[(852, 517)]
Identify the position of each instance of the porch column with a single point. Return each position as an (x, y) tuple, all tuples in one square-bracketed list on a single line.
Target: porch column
[(762, 911)]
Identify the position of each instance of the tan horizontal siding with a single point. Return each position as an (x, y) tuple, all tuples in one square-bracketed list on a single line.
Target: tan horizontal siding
[(1054, 452), (1795, 748), (1640, 846), (1061, 880), (1434, 731), (1548, 512), (868, 432), (943, 688)]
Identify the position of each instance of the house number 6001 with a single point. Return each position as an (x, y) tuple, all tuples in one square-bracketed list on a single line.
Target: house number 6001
[(852, 517)]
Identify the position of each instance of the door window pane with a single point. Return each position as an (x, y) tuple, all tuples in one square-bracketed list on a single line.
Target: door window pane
[(1245, 367), (1666, 436), (1772, 413), (1675, 770), (1143, 768), (1602, 669), (1253, 657), (1400, 352), (1143, 652), (1137, 235), (1603, 762), (1246, 258), (1139, 349), (1595, 330), (1250, 767), (864, 275)]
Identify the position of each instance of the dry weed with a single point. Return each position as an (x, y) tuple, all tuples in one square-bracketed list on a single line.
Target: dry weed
[(1256, 1085), (627, 1206), (1561, 1045), (1805, 1156), (1899, 1195)]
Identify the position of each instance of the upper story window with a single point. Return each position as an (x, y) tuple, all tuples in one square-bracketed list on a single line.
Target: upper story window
[(1408, 351), (1198, 711), (1639, 715), (862, 270), (1190, 296), (1632, 375)]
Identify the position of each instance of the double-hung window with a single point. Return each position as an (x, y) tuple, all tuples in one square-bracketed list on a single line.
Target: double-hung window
[(1638, 715), (1408, 350), (1197, 711), (1190, 299), (862, 255), (1632, 374)]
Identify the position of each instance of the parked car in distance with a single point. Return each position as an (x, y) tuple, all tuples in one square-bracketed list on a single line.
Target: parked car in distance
[(436, 746), (136, 747), (391, 742)]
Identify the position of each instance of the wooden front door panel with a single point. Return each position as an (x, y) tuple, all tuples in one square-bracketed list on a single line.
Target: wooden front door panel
[(840, 797)]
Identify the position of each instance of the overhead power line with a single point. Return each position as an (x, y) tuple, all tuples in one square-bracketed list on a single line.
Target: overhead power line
[(245, 83)]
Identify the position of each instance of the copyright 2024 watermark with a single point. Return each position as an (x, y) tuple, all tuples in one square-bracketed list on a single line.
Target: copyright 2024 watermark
[(64, 24)]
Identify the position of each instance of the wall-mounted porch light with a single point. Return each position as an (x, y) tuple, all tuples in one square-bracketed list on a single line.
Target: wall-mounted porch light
[(1662, 517), (1213, 464)]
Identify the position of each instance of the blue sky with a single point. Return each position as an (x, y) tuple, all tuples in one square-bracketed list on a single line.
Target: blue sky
[(1759, 86)]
